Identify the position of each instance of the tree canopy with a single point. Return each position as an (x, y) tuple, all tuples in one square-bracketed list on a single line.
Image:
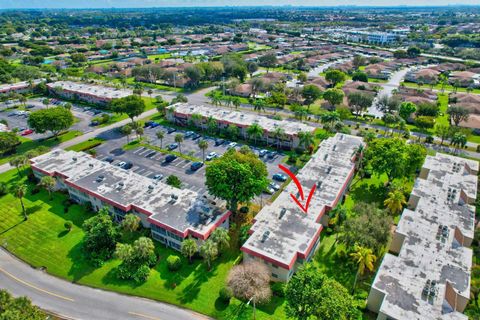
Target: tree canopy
[(394, 157), (236, 177), (311, 294), (132, 106), (54, 120)]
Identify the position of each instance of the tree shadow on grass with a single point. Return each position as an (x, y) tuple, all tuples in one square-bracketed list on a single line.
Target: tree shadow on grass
[(63, 233), (32, 209), (81, 267), (368, 193), (220, 305), (201, 274)]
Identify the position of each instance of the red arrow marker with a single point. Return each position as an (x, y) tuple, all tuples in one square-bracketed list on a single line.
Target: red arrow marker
[(300, 190), (294, 178), (305, 209)]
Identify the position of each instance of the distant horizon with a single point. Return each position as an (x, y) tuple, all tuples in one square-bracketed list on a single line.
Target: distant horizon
[(154, 4)]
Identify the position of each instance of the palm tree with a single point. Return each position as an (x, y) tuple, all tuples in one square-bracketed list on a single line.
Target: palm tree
[(255, 131), (196, 118), (211, 124), (358, 153), (278, 134), (18, 162), (305, 139), (459, 140), (236, 102), (139, 131), (189, 248), (395, 201), (216, 98), (259, 105), (19, 191), (179, 140), (209, 251), (221, 237), (330, 120), (365, 259), (203, 145), (46, 102), (48, 183), (160, 135), (127, 130)]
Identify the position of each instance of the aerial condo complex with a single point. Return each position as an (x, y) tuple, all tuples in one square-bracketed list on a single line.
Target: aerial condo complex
[(168, 160)]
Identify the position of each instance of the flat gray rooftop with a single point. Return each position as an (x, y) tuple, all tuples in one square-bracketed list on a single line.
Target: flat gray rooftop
[(181, 209), (98, 91), (281, 230), (430, 251), (241, 118)]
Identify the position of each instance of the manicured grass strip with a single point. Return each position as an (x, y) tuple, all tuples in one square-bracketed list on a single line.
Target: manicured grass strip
[(42, 241)]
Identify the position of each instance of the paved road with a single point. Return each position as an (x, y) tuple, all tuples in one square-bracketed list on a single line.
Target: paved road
[(73, 301), (387, 89), (91, 134)]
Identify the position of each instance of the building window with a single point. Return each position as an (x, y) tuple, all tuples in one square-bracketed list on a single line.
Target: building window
[(274, 266), (274, 275)]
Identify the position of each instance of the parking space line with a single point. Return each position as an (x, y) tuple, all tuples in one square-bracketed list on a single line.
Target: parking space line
[(148, 173), (185, 165), (140, 170), (138, 150)]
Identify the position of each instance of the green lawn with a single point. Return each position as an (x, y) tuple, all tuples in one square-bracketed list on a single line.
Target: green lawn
[(86, 145), (28, 144), (43, 242), (448, 88)]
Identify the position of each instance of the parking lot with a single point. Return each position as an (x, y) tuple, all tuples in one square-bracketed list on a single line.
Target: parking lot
[(16, 118), (148, 163)]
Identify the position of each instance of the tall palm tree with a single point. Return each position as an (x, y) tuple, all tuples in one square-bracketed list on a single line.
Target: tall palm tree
[(196, 118), (236, 102), (212, 125), (395, 201), (189, 248), (278, 134), (365, 260), (203, 145), (459, 140), (19, 191), (160, 135), (255, 131), (330, 120), (358, 153), (127, 131), (48, 183), (259, 105), (209, 252), (18, 162), (305, 139), (221, 237), (216, 98), (179, 140)]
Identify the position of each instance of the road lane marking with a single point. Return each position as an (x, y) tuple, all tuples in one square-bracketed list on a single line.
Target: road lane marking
[(143, 316), (35, 287)]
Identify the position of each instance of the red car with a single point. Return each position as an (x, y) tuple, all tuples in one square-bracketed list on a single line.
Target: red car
[(27, 132)]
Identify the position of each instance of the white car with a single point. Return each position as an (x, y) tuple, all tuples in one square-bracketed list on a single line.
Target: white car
[(231, 145), (121, 164), (212, 155), (158, 177)]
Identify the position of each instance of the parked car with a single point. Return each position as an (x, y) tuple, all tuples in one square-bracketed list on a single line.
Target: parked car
[(274, 186), (170, 130), (108, 159), (147, 124), (127, 166), (172, 146), (188, 134), (271, 154), (269, 190), (27, 132), (219, 142), (30, 106), (169, 158), (195, 136), (231, 145), (94, 123), (196, 165), (151, 154), (280, 177), (158, 177), (121, 164), (263, 152), (154, 124), (212, 155)]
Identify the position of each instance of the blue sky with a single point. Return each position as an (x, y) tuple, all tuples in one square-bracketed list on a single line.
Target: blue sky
[(9, 4)]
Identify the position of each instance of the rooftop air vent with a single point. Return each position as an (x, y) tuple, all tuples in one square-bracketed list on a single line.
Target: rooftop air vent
[(74, 159), (334, 147), (100, 178), (282, 213), (265, 236)]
